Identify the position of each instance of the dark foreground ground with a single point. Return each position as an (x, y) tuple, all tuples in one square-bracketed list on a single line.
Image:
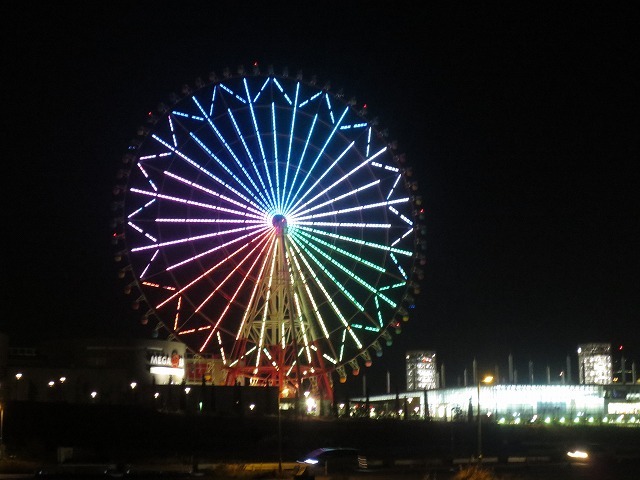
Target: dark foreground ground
[(121, 435)]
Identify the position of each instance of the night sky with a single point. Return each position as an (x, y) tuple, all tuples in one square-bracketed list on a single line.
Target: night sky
[(521, 124)]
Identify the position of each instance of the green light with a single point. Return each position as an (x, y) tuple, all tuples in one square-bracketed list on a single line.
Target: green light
[(360, 280), (358, 241), (344, 252)]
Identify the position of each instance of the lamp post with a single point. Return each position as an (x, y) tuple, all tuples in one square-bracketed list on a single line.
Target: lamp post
[(1, 430), (487, 379)]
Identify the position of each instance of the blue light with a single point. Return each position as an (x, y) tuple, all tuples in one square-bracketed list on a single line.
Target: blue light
[(202, 194)]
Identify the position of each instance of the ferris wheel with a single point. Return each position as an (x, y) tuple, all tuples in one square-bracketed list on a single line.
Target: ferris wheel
[(268, 222)]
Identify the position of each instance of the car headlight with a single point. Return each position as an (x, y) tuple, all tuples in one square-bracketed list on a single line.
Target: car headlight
[(578, 454)]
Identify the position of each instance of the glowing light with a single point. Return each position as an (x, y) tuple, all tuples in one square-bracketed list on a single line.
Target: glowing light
[(578, 454), (202, 192)]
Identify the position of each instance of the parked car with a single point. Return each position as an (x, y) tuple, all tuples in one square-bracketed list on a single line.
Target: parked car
[(324, 461)]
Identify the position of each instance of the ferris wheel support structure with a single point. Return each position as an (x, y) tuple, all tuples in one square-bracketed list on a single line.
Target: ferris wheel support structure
[(277, 322)]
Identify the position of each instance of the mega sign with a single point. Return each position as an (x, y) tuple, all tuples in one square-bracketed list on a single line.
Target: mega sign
[(167, 364)]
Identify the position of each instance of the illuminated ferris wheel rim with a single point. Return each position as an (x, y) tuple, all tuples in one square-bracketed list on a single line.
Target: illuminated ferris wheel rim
[(316, 224)]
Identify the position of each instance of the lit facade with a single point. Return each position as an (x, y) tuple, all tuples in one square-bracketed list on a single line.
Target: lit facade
[(512, 404), (594, 364), (422, 373), (72, 370)]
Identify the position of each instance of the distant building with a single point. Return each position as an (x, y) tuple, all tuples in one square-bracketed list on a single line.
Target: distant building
[(72, 370), (422, 372), (510, 404), (153, 373), (594, 364)]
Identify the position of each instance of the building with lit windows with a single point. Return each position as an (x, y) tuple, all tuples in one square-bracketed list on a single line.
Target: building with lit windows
[(421, 368), (72, 369), (594, 363), (511, 404), (153, 373), (161, 374), (596, 400)]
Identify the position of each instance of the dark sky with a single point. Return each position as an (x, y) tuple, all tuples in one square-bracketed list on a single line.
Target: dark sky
[(521, 123)]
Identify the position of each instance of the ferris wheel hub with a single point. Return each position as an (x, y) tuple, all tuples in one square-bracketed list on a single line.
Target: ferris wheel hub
[(279, 221)]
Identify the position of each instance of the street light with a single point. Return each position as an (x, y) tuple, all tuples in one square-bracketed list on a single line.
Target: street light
[(1, 430), (488, 379)]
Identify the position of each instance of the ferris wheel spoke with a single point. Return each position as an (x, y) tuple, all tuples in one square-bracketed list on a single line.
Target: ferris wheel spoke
[(294, 208), (143, 273), (342, 251), (216, 248), (305, 253), (343, 289), (230, 150), (147, 235), (357, 241), (206, 273), (208, 191), (197, 166), (329, 203), (259, 138), (186, 220), (393, 187), (352, 209), (322, 150), (191, 203), (258, 280), (327, 171), (377, 226), (186, 240), (265, 311), (392, 286), (303, 330), (230, 274), (285, 95), (248, 152), (290, 145), (399, 266), (315, 313), (329, 299), (401, 216), (262, 245), (262, 201), (347, 271), (401, 237), (276, 160), (327, 273), (144, 171), (265, 243), (300, 160)]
